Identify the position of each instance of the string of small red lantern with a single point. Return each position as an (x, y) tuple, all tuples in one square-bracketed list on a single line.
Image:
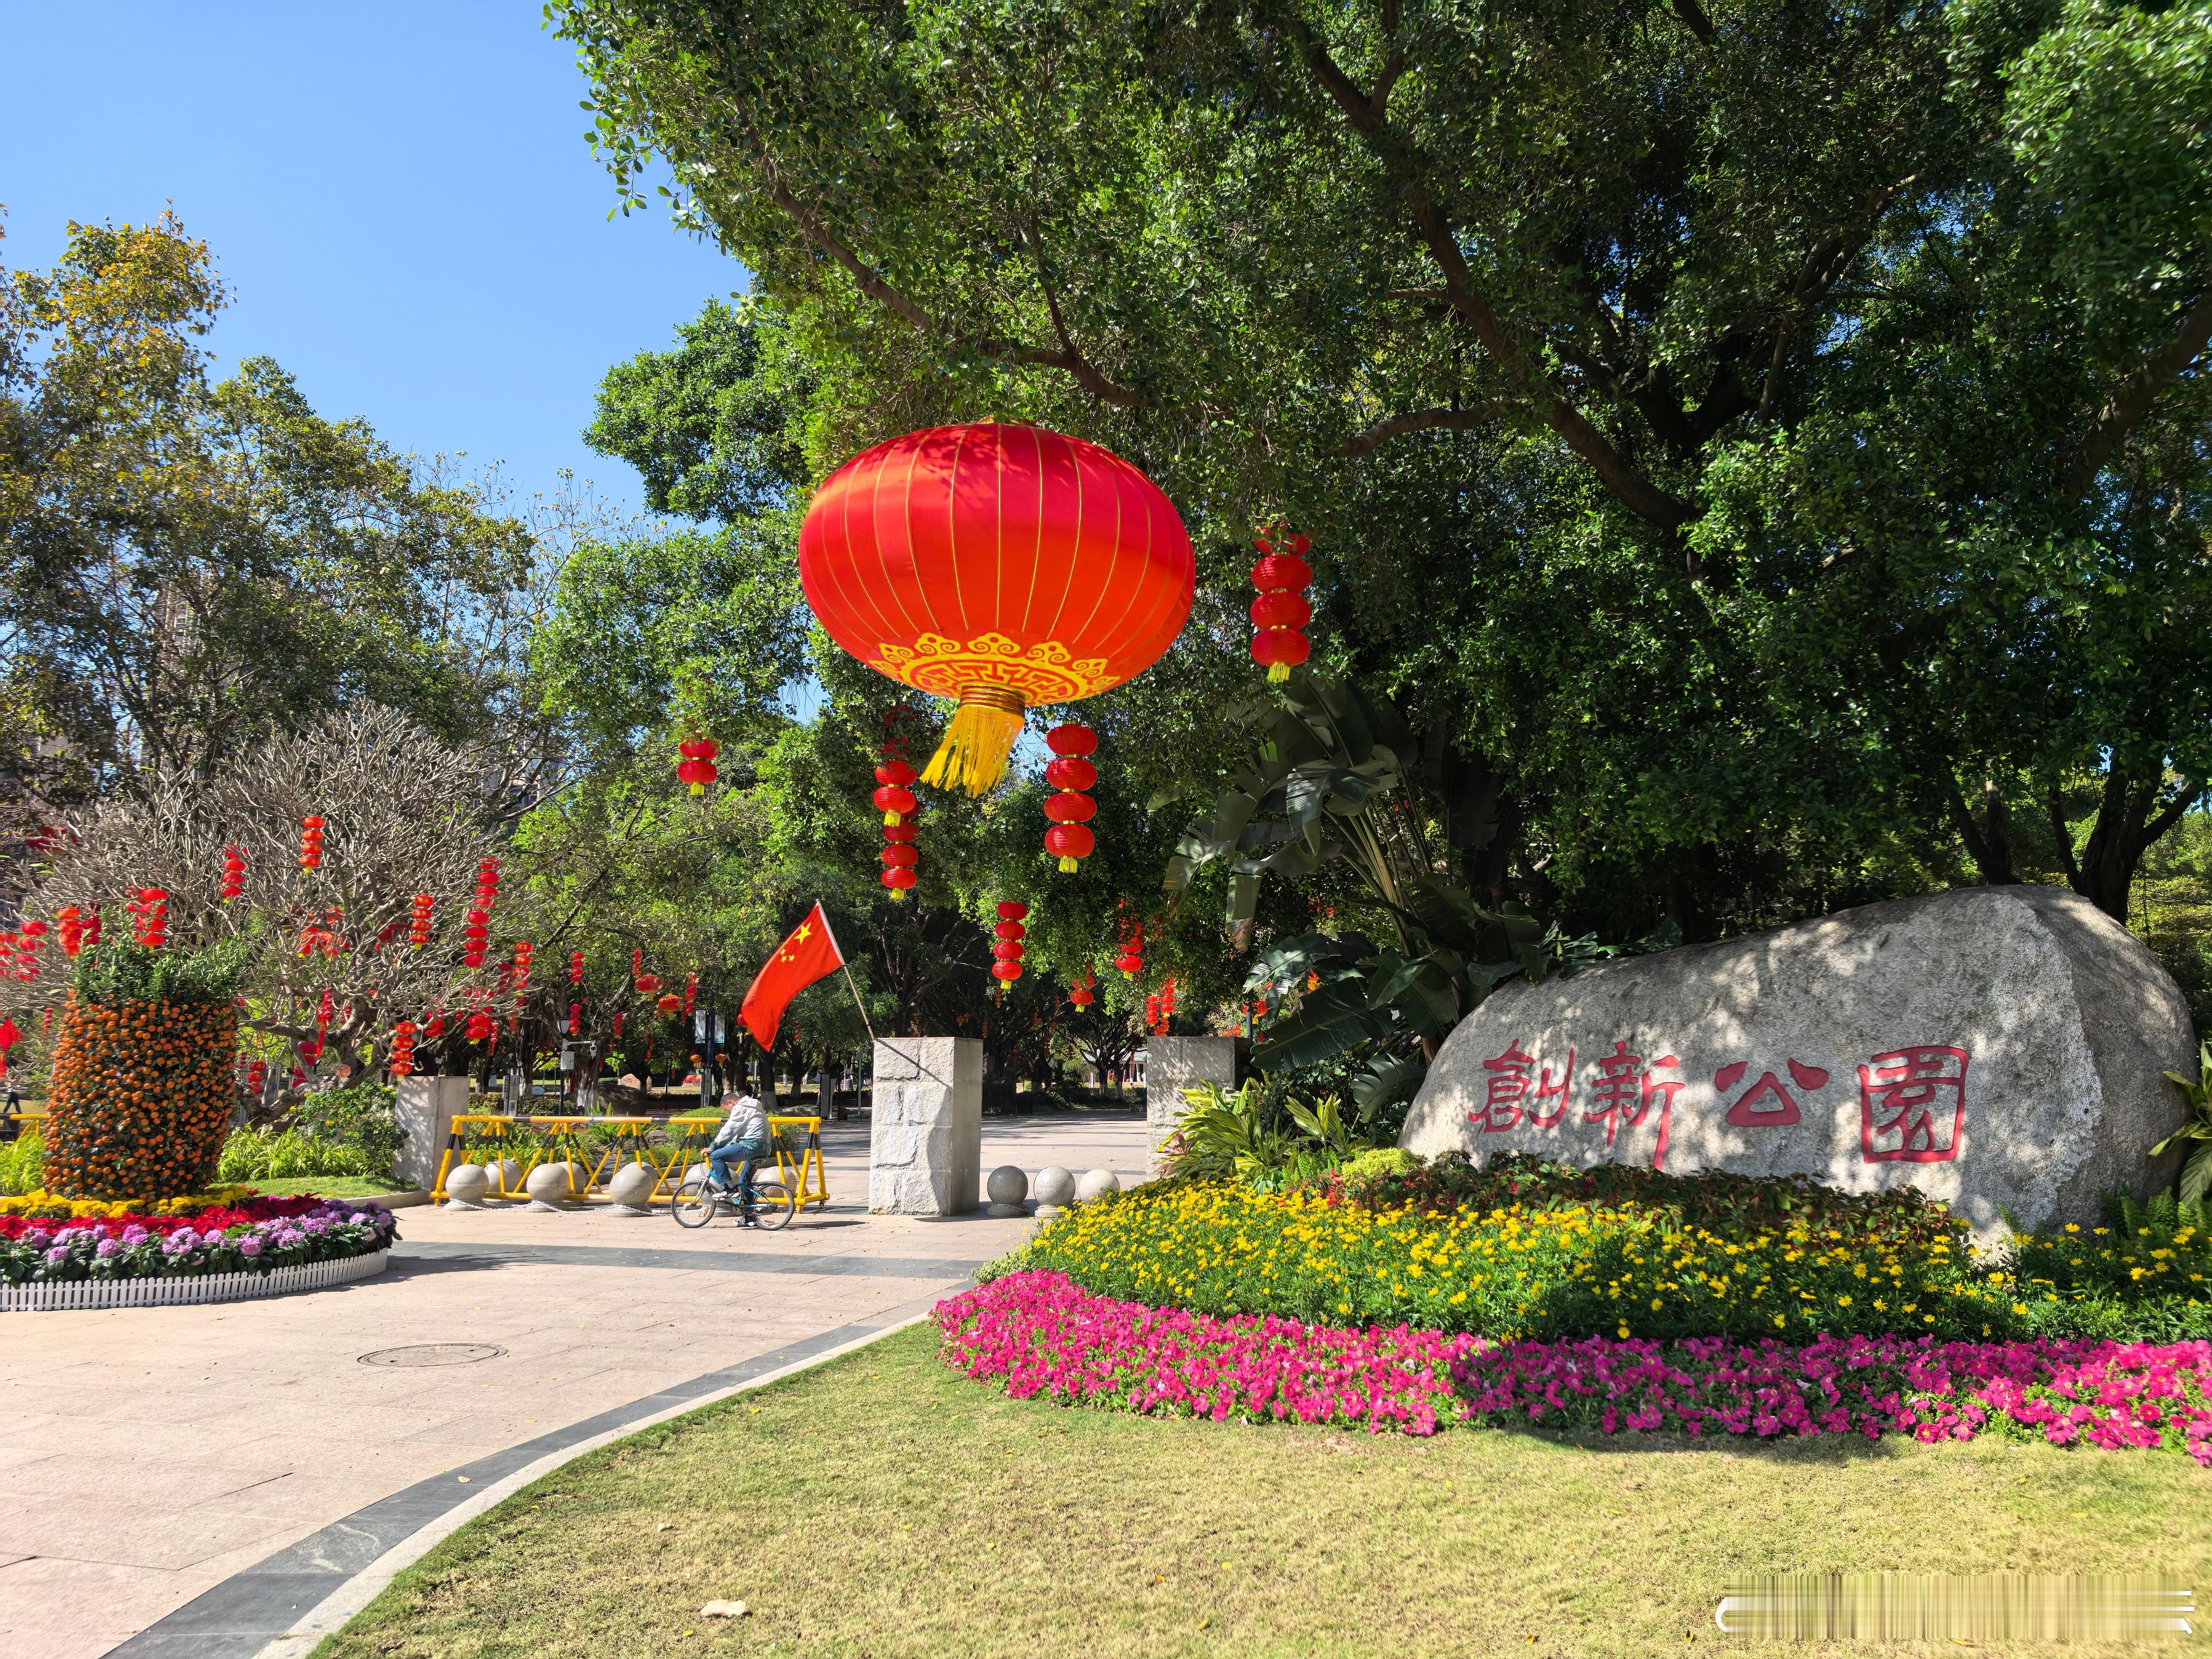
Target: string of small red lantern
[(311, 842), (418, 920), (234, 873), (1070, 773), (70, 921), (1009, 950), (894, 800), (697, 766), (403, 1049), (150, 916), (1131, 961), (475, 924), (1082, 991), (1281, 610)]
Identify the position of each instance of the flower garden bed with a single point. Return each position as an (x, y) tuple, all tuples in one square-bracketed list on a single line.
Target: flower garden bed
[(1040, 1334), (1665, 1266), (245, 1237)]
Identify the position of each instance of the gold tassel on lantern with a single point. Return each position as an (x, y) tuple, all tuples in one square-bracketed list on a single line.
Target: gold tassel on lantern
[(979, 742)]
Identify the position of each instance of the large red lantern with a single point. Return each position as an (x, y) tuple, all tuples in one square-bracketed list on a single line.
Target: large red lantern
[(1003, 566)]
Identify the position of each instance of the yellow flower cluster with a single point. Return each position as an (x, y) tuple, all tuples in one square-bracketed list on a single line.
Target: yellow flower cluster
[(101, 1209), (1516, 1271)]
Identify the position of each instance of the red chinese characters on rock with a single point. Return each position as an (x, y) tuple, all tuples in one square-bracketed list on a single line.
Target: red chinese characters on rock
[(1623, 1094), (1748, 1113), (1913, 1105), (1511, 1095)]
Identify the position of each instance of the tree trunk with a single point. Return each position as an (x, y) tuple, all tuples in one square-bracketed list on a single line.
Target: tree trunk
[(2133, 813), (1988, 838)]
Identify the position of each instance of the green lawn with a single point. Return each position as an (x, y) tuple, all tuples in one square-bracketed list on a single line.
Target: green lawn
[(884, 1505), (330, 1187)]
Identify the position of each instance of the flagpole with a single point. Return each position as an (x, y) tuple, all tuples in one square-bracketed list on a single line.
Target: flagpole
[(846, 968)]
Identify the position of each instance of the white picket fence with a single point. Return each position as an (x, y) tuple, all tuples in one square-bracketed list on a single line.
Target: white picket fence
[(206, 1287)]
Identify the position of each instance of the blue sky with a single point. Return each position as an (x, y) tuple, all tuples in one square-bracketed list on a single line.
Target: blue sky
[(399, 195)]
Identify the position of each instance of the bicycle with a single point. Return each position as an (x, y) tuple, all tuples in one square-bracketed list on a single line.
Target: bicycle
[(701, 1198)]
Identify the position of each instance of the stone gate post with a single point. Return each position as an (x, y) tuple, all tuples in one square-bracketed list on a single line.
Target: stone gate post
[(926, 1134), (1173, 1064)]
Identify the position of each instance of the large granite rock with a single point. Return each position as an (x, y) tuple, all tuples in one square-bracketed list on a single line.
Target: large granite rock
[(2001, 1048)]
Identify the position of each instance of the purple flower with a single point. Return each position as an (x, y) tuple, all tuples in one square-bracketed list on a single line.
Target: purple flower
[(249, 1246), (180, 1241), (105, 1249), (37, 1239), (135, 1234), (59, 1253)]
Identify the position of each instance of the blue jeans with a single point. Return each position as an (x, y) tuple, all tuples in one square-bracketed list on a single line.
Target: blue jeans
[(743, 1153)]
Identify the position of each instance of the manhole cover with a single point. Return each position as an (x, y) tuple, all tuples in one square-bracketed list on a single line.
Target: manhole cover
[(433, 1353)]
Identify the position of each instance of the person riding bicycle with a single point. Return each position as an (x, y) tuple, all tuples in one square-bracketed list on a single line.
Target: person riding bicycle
[(743, 1141)]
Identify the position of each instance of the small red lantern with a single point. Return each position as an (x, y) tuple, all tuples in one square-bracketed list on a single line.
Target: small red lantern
[(1282, 611), (669, 1003), (1081, 992), (69, 919), (234, 873), (894, 803), (697, 767)]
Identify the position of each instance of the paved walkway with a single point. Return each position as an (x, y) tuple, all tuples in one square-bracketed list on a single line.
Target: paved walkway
[(155, 1453)]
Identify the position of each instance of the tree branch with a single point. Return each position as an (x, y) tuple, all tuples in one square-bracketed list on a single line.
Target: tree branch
[(2133, 397), (892, 298), (1418, 420), (2062, 832), (1694, 19), (1634, 491)]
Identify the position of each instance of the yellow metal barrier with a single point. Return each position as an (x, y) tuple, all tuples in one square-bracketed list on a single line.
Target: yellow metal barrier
[(560, 1140)]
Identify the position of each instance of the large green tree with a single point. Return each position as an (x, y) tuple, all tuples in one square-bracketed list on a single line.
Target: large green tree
[(186, 564), (1765, 436)]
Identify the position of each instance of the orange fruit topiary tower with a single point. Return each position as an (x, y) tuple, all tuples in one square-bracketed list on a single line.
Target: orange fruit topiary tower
[(142, 1095)]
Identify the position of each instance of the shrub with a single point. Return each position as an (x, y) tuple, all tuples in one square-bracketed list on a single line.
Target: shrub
[(288, 1155), (143, 1091), (1564, 1270), (361, 1116), (22, 1163)]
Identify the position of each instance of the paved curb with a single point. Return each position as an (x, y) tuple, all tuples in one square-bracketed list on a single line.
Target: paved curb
[(237, 1618)]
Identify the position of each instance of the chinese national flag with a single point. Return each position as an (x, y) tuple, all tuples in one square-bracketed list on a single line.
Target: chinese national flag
[(805, 957)]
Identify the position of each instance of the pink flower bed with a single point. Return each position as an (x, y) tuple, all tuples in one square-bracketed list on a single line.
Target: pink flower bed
[(1041, 1333)]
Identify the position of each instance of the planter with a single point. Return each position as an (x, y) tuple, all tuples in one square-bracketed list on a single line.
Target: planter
[(149, 1292)]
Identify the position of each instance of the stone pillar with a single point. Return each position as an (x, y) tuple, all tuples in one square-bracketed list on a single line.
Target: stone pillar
[(1173, 1064), (426, 1109), (926, 1139)]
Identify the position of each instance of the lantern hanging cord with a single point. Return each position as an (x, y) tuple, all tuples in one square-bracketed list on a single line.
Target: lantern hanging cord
[(979, 742)]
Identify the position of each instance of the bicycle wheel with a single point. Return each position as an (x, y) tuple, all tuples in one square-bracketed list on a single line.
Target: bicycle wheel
[(693, 1203), (773, 1206)]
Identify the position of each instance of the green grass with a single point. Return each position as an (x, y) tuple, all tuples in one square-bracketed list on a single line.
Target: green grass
[(330, 1187), (884, 1506)]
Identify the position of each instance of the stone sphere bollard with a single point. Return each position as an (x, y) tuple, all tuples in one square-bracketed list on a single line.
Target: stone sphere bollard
[(631, 1190), (1056, 1191), (502, 1173), (1096, 1184), (1008, 1186), (548, 1187), (465, 1186)]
